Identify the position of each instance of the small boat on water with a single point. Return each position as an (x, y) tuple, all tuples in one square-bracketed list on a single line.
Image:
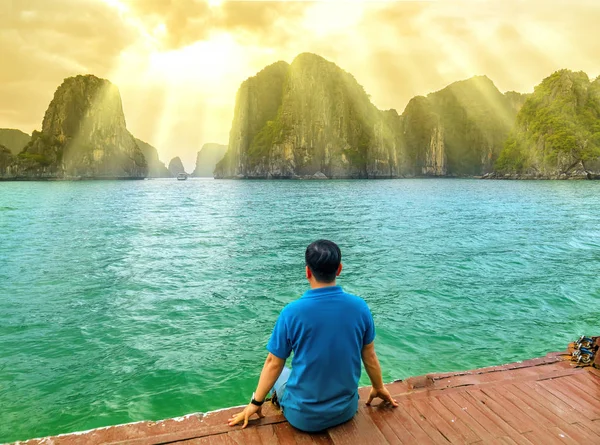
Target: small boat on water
[(182, 176)]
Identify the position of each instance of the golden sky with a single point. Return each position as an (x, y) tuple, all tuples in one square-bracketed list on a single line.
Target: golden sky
[(178, 63)]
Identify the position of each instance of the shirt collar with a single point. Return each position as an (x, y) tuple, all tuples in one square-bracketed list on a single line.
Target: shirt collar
[(322, 291)]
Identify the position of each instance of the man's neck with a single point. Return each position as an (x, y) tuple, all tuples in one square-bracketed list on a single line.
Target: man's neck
[(318, 285)]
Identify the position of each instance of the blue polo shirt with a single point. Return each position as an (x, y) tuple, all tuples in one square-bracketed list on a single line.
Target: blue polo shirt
[(327, 329)]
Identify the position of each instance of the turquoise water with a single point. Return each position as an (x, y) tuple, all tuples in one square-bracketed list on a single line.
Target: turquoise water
[(123, 301)]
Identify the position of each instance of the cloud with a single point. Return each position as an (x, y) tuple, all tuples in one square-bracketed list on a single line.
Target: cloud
[(188, 21), (416, 48), (43, 42), (178, 63)]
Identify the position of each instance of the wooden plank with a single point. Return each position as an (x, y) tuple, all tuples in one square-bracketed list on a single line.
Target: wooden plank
[(507, 429), (555, 415), (588, 429), (507, 441), (579, 433), (465, 417), (199, 441), (360, 429), (475, 384), (523, 411), (519, 424), (590, 412), (267, 435), (585, 435), (450, 433), (469, 406), (435, 435), (211, 428), (587, 383), (321, 438), (533, 398), (394, 432), (247, 436), (567, 387), (402, 418), (284, 434), (530, 407), (457, 422), (550, 401), (220, 439), (594, 426), (563, 436)]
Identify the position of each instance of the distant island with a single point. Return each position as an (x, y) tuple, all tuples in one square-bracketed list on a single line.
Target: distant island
[(557, 132), (84, 136), (312, 120), (208, 157)]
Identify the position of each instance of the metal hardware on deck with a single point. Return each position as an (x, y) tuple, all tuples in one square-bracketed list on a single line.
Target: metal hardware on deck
[(585, 351)]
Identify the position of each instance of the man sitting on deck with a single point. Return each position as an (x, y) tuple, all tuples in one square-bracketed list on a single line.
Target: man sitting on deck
[(329, 331)]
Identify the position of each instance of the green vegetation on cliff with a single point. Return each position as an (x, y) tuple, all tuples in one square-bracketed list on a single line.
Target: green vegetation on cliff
[(459, 130), (156, 168), (6, 160), (314, 117), (257, 102), (557, 130), (83, 135)]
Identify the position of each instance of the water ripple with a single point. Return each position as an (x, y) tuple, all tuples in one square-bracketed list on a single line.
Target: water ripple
[(124, 301)]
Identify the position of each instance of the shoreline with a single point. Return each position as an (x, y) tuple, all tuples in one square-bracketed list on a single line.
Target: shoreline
[(69, 179), (488, 177)]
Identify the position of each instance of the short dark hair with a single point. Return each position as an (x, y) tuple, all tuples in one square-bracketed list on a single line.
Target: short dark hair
[(323, 258)]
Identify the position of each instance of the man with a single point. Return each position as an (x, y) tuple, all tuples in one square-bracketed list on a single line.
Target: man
[(329, 331)]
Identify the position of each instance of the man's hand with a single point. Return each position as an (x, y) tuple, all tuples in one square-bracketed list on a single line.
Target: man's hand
[(383, 394), (249, 411)]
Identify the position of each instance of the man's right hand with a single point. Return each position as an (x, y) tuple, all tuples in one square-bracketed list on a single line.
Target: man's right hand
[(383, 394)]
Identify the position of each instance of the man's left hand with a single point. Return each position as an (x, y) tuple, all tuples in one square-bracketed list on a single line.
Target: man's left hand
[(249, 411)]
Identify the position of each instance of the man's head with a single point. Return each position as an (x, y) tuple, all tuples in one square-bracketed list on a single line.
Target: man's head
[(323, 262)]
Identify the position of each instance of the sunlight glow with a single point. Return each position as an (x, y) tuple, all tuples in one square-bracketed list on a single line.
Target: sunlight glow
[(181, 71), (207, 60)]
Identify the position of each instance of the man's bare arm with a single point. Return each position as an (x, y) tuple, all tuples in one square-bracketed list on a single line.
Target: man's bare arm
[(269, 375), (373, 369), (270, 372)]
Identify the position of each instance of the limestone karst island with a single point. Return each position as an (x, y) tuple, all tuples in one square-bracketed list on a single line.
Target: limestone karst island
[(334, 222), (312, 119)]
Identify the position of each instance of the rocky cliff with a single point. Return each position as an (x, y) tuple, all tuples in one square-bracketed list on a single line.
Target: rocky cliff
[(6, 161), (460, 130), (176, 166), (312, 118), (83, 136), (156, 168), (14, 140), (516, 100), (309, 118), (207, 159), (557, 132)]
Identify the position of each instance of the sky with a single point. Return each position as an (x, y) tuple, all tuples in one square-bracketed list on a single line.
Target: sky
[(179, 63)]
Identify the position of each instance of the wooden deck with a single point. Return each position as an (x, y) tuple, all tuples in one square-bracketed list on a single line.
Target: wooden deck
[(541, 401)]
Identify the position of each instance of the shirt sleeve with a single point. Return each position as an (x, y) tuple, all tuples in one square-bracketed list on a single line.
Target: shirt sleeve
[(279, 344), (369, 335)]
